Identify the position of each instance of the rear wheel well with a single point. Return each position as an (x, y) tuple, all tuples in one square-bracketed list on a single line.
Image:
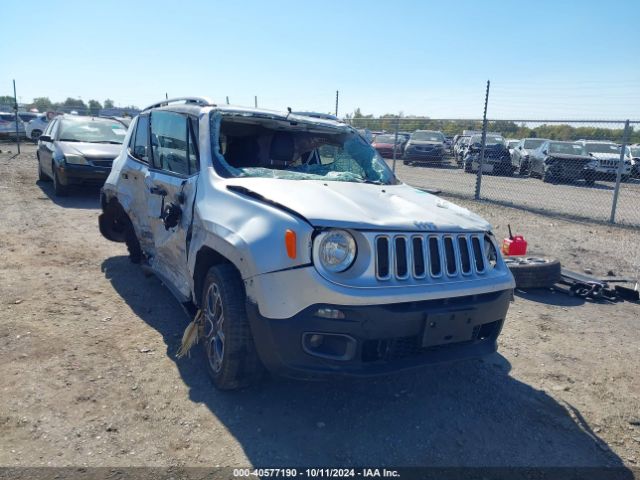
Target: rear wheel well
[(205, 259)]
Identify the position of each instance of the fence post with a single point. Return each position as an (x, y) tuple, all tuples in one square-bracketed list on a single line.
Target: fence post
[(395, 144), (484, 139), (337, 93), (616, 192), (15, 110)]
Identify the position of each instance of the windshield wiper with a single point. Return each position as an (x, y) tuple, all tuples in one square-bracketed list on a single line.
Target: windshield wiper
[(69, 140), (111, 142)]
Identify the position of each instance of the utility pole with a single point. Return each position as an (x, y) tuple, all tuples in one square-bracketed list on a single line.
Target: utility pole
[(255, 101), (227, 99), (337, 96)]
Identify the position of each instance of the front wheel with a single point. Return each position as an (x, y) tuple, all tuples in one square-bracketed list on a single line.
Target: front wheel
[(35, 135), (59, 189), (231, 357), (42, 177)]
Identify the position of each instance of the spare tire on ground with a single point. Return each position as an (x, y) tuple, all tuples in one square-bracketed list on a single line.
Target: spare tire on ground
[(534, 272)]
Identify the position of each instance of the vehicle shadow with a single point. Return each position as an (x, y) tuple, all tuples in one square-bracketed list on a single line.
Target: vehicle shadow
[(82, 197), (549, 297), (471, 413)]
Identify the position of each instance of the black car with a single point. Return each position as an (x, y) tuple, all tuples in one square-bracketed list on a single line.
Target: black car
[(424, 145), (555, 161), (78, 150), (497, 159)]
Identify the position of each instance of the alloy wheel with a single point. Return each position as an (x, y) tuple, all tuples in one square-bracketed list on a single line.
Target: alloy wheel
[(213, 327)]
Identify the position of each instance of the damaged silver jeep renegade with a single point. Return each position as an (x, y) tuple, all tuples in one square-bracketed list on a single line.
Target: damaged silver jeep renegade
[(305, 253)]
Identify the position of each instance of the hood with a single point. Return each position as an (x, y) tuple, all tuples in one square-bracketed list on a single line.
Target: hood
[(424, 142), (568, 156), (363, 206), (606, 156), (382, 145), (102, 150)]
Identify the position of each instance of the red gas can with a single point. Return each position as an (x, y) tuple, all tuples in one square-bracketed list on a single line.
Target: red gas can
[(514, 245)]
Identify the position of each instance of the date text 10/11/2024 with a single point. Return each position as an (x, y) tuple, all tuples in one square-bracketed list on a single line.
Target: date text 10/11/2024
[(315, 472)]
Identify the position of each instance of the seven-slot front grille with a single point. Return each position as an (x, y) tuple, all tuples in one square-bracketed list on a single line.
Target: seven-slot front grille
[(431, 255), (609, 163)]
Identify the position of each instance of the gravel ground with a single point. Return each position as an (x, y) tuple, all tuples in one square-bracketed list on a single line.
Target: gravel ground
[(575, 200), (90, 378)]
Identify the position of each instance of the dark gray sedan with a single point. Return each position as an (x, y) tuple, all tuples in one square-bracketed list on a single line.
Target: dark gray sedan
[(78, 150), (557, 161)]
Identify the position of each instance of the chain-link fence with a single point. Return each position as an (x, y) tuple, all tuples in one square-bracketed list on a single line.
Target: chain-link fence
[(579, 169)]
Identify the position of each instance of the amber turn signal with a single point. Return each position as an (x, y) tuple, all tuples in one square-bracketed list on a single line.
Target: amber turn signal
[(290, 243)]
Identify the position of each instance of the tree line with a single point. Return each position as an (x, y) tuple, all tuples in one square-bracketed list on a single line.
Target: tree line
[(44, 104), (507, 128)]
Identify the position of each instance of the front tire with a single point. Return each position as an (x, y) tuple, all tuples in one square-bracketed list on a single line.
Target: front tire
[(42, 177), (547, 176), (230, 353), (35, 135), (59, 189)]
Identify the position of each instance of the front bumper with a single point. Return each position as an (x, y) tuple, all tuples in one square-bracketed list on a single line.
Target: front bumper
[(423, 154), (388, 152), (71, 174), (379, 339), (612, 171)]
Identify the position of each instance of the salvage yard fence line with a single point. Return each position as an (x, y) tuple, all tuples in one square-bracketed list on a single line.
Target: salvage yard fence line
[(589, 169)]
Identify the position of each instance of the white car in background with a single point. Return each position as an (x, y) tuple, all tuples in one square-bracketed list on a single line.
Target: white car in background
[(36, 126), (608, 156)]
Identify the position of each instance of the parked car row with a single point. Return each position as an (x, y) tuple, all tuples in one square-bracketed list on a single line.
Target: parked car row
[(549, 160)]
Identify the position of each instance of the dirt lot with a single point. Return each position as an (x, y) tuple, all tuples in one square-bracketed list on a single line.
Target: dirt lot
[(89, 374)]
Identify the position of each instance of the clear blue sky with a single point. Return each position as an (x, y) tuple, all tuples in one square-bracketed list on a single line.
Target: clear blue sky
[(552, 59)]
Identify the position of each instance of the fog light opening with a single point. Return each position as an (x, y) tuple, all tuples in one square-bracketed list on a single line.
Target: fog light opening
[(333, 346)]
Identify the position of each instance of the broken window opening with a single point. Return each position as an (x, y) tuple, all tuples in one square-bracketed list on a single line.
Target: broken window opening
[(246, 146)]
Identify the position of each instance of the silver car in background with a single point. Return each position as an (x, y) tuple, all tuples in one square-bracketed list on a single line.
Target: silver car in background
[(78, 150), (607, 155), (8, 126), (521, 153)]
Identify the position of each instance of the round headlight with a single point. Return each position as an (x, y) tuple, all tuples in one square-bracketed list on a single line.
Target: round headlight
[(336, 250)]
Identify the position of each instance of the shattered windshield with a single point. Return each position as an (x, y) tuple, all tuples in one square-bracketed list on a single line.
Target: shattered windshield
[(271, 148)]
